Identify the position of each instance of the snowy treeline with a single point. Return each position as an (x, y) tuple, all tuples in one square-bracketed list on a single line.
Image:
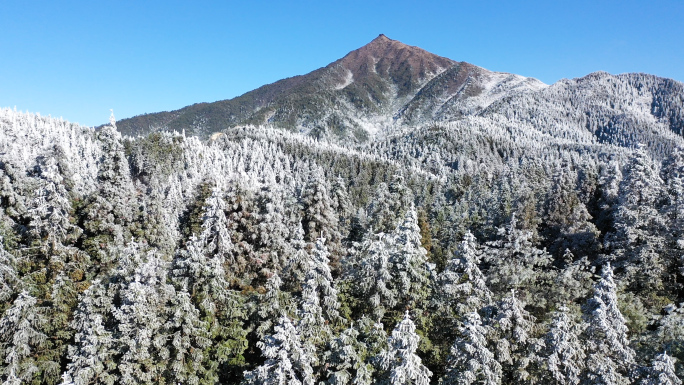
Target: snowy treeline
[(455, 254)]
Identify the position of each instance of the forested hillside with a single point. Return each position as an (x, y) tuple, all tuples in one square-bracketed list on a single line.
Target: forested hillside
[(482, 250)]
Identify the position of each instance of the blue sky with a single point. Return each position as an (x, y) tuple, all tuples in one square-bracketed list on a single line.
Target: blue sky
[(78, 59)]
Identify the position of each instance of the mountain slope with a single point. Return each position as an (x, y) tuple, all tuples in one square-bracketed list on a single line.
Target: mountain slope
[(622, 109), (388, 88), (374, 87)]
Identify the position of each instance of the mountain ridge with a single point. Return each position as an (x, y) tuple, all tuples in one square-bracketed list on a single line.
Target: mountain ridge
[(387, 86), (368, 87)]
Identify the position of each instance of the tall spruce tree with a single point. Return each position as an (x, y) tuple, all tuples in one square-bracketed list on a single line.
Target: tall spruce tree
[(408, 263), (471, 361), (610, 359), (516, 345), (287, 363), (638, 240), (461, 286), (401, 364), (564, 350), (661, 372)]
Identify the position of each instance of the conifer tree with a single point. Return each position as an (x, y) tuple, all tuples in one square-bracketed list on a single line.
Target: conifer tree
[(567, 220), (610, 359), (319, 305), (661, 372), (319, 219), (198, 271), (515, 340), (462, 286), (670, 334), (287, 363), (92, 356), (516, 264), (188, 340), (345, 360), (215, 235), (564, 348), (401, 364), (109, 211), (50, 206), (141, 316), (674, 211), (470, 360), (9, 277), (341, 203), (374, 276), (381, 218), (273, 305), (408, 262), (20, 340), (637, 242)]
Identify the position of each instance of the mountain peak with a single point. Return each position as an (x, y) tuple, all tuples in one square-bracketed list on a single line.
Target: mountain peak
[(392, 58), (380, 81), (381, 37)]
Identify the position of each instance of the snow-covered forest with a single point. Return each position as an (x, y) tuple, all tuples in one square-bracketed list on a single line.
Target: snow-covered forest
[(479, 251)]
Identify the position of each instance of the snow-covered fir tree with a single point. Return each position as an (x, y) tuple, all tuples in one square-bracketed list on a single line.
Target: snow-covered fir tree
[(610, 359), (638, 241), (564, 351), (286, 360), (408, 261), (471, 361), (516, 345), (661, 371), (462, 286), (20, 330), (399, 361)]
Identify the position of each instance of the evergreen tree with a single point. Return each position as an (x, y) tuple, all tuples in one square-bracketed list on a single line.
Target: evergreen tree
[(92, 357), (461, 286), (141, 316), (515, 341), (564, 348), (215, 235), (319, 219), (567, 220), (374, 277), (198, 271), (610, 359), (319, 306), (9, 277), (381, 217), (661, 372), (345, 360), (470, 360), (287, 363), (400, 361), (674, 211), (341, 204), (637, 242), (273, 305), (188, 340), (20, 340), (108, 212), (408, 262), (49, 208), (516, 264), (670, 334)]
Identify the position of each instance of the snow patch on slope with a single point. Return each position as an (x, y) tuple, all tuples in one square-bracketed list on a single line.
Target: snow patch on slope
[(349, 79)]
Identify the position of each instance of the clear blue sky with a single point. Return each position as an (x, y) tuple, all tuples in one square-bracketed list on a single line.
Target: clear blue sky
[(78, 59)]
